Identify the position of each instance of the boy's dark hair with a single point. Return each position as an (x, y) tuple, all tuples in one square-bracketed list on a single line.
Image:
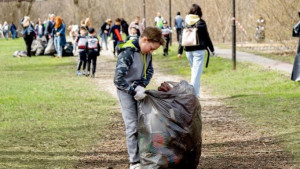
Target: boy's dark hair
[(118, 20), (196, 10), (154, 35), (91, 30), (82, 28), (178, 13)]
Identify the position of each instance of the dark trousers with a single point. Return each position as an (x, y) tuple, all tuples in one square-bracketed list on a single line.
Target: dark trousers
[(166, 48), (116, 42), (28, 40), (47, 38), (178, 31), (92, 58), (82, 60)]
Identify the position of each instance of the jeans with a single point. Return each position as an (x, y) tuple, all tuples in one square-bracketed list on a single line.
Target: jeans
[(196, 59), (13, 34), (130, 118), (103, 38), (58, 46)]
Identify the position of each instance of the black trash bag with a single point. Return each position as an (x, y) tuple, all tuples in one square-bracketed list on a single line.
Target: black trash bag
[(296, 69), (169, 128), (50, 49), (68, 49)]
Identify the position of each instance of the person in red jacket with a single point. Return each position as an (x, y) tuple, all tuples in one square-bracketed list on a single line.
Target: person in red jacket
[(115, 30)]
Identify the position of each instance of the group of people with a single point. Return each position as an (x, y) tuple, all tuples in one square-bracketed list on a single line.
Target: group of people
[(54, 28), (6, 28)]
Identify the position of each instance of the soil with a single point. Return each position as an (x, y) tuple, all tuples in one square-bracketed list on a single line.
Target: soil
[(228, 139)]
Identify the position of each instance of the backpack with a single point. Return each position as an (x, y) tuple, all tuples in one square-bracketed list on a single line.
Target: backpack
[(189, 36)]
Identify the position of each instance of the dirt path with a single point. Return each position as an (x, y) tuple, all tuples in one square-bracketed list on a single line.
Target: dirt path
[(228, 142)]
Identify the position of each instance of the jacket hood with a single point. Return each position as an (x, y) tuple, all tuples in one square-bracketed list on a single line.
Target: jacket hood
[(191, 19)]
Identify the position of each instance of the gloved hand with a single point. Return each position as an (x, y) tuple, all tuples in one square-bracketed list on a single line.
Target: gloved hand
[(140, 93)]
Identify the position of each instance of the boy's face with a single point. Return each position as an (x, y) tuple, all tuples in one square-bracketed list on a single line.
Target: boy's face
[(148, 47), (118, 23), (82, 32), (133, 31)]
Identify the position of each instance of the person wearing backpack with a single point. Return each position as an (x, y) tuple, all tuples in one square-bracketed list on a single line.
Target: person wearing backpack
[(93, 50), (195, 51), (28, 33)]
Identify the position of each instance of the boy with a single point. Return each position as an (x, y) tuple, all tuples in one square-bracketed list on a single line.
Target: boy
[(115, 30), (81, 42), (166, 31), (93, 50), (133, 73), (133, 34)]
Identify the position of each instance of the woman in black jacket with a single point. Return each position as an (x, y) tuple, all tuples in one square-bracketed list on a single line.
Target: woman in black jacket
[(28, 33), (195, 54)]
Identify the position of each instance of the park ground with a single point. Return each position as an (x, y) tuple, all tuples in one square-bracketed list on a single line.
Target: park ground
[(50, 118)]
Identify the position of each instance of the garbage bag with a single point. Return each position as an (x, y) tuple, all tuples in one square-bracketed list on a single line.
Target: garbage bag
[(20, 53), (169, 128), (50, 49), (68, 49), (33, 47), (39, 47), (296, 69)]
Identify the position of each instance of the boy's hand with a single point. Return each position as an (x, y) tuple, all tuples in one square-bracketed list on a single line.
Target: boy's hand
[(179, 56), (140, 93)]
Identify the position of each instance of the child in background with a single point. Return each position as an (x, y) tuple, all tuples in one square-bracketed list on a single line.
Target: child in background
[(133, 34), (116, 35), (133, 73), (166, 31), (93, 50), (81, 43)]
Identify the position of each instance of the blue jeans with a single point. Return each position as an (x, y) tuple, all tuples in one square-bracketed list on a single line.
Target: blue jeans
[(103, 38), (196, 59), (58, 46), (13, 34)]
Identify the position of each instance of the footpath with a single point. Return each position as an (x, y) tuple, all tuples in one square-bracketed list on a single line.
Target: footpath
[(228, 139), (256, 59)]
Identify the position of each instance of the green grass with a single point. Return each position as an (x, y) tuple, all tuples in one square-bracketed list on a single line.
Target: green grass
[(48, 116), (268, 99)]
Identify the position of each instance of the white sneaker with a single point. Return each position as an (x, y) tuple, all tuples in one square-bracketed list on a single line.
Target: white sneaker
[(135, 166)]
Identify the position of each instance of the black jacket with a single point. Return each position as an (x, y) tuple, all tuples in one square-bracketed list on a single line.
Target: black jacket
[(204, 39)]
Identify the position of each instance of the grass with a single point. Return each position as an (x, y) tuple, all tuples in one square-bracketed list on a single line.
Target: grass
[(48, 116), (284, 58), (268, 99)]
